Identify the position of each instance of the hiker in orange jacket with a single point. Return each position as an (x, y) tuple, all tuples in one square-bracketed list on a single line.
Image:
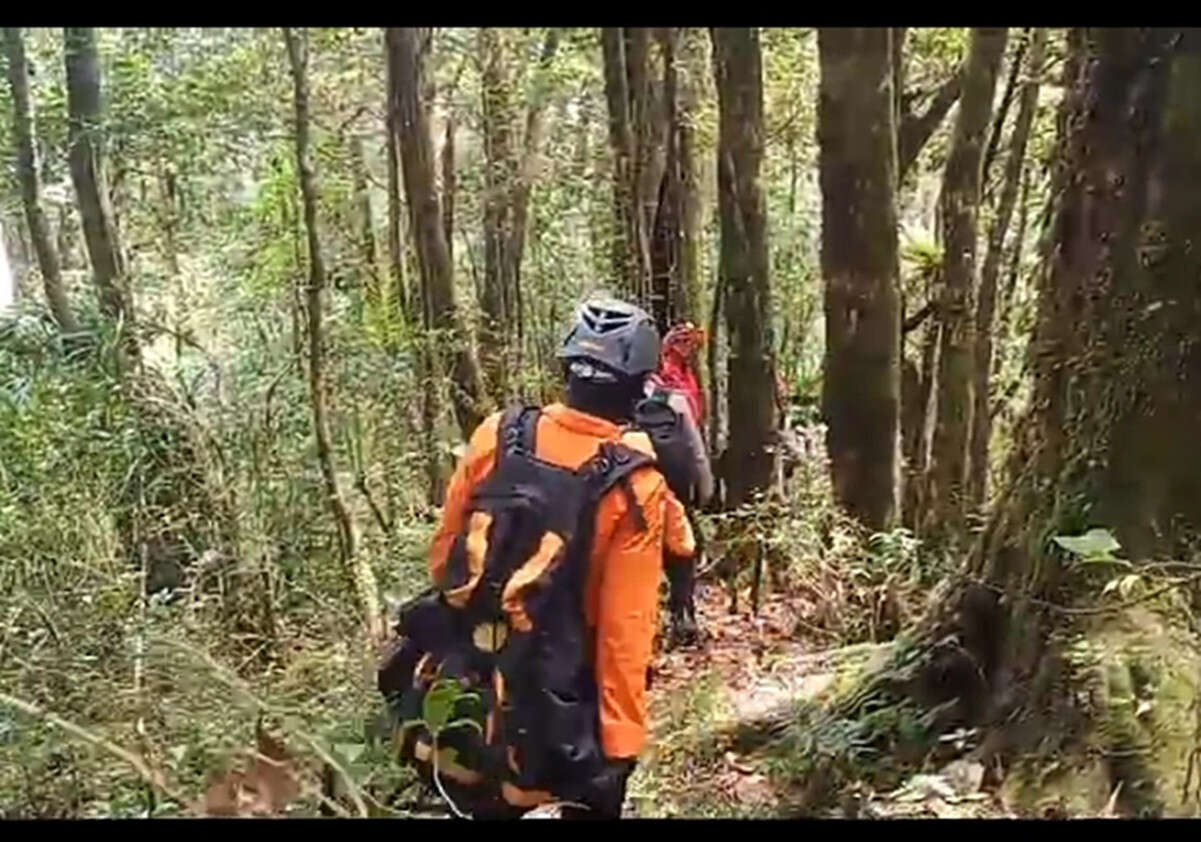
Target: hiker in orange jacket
[(611, 349)]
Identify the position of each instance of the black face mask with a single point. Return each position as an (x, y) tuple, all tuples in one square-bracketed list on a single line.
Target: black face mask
[(614, 401)]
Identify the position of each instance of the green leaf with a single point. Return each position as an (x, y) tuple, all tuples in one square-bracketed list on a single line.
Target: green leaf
[(349, 751), (464, 722), (439, 704), (1094, 545)]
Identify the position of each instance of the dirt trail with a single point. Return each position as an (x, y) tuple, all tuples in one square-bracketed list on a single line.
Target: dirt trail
[(759, 666)]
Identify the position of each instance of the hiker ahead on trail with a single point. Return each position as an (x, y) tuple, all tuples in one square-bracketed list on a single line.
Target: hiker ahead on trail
[(674, 414), (521, 677)]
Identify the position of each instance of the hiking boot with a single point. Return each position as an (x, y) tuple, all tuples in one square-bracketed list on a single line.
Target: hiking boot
[(684, 630)]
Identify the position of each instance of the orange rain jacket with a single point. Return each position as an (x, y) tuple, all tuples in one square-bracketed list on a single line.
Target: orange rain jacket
[(621, 598)]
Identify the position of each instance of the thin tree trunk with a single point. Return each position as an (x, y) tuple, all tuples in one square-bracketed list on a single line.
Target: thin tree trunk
[(29, 176), (433, 254), (861, 375), (744, 262), (369, 253), (1015, 260), (692, 59), (985, 312), (396, 250), (535, 130), (998, 123), (64, 238), (665, 245), (357, 569), (915, 130), (960, 202), (648, 147), (499, 181), (88, 166), (449, 188)]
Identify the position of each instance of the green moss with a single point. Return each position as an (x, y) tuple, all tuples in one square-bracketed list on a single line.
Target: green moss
[(1137, 677)]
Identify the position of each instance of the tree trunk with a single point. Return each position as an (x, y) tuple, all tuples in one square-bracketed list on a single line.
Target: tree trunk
[(433, 253), (88, 166), (744, 262), (985, 312), (450, 186), (1015, 260), (690, 58), (1109, 438), (998, 123), (535, 130), (357, 569), (499, 180), (625, 55), (715, 314), (960, 201), (861, 374), (665, 244), (29, 176), (369, 253), (396, 250), (915, 129)]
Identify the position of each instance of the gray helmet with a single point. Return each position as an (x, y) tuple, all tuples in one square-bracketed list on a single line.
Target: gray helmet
[(615, 334)]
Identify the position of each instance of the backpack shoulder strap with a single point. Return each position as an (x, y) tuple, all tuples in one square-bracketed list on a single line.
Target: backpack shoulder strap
[(613, 465), (518, 433)]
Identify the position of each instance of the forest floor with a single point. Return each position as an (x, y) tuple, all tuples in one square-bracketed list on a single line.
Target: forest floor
[(746, 669)]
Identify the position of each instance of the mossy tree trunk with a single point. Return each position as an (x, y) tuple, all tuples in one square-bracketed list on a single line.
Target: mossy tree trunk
[(861, 375), (960, 201), (409, 47), (986, 306), (744, 262), (89, 173), (1107, 441), (29, 176)]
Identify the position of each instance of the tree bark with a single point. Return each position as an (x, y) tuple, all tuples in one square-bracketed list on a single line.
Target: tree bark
[(626, 53), (433, 254), (357, 569), (29, 177), (915, 129), (998, 123), (690, 58), (449, 187), (89, 174), (1108, 440), (369, 253), (535, 131), (861, 374), (960, 201), (1015, 259), (986, 308), (744, 262), (500, 172), (666, 282), (396, 250)]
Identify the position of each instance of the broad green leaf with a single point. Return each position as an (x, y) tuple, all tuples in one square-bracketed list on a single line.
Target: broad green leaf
[(438, 705), (1094, 545)]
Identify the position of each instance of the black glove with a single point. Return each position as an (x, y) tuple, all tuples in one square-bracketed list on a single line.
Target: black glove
[(605, 793), (681, 576)]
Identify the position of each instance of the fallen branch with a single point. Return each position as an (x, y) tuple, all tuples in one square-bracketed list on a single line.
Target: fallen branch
[(151, 776)]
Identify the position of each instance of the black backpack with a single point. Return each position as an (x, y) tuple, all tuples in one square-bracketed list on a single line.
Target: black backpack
[(496, 653), (665, 427)]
